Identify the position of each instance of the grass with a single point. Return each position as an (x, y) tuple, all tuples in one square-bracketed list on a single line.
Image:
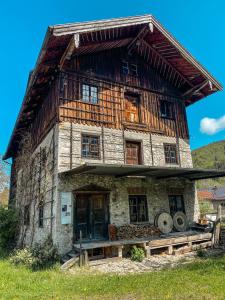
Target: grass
[(200, 280)]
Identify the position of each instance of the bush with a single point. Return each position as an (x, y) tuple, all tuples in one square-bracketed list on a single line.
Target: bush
[(38, 257), (201, 253), (46, 254), (8, 228), (137, 254), (23, 257)]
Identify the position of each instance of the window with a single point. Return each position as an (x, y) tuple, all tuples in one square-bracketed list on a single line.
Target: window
[(90, 93), (125, 68), (132, 108), (129, 69), (27, 215), (138, 208), (133, 70), (170, 151), (166, 109), (90, 146), (41, 216), (176, 203), (133, 153)]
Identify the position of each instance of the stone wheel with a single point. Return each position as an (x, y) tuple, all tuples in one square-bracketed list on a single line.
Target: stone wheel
[(180, 221), (165, 222)]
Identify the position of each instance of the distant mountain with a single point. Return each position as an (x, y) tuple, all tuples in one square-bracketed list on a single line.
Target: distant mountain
[(211, 156)]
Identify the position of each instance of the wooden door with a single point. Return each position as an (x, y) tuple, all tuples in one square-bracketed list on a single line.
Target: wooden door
[(132, 113), (91, 216), (133, 153)]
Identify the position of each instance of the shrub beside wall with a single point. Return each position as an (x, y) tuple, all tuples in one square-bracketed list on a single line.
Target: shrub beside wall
[(9, 222)]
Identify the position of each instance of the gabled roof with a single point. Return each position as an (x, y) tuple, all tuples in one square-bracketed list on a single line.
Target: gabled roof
[(143, 35)]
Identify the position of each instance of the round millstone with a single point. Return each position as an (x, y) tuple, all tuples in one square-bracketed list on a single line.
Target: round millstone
[(165, 222), (180, 221)]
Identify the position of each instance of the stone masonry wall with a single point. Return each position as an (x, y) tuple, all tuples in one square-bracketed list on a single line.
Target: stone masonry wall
[(157, 192), (112, 146), (42, 188)]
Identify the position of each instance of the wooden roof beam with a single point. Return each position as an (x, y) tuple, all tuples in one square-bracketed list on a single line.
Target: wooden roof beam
[(196, 89), (142, 33), (166, 62), (73, 44)]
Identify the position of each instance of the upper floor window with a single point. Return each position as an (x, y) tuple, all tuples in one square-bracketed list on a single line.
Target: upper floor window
[(170, 151), (132, 108), (138, 208), (90, 146), (27, 215), (90, 93), (166, 109), (129, 69)]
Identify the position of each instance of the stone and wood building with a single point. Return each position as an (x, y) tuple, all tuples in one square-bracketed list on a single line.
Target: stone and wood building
[(102, 135)]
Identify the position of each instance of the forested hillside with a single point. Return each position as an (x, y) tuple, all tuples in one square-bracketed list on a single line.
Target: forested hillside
[(211, 156)]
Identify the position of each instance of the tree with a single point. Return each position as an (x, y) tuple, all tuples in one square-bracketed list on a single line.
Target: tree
[(4, 182)]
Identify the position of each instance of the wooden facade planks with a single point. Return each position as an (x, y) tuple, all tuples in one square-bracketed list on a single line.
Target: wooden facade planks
[(110, 109)]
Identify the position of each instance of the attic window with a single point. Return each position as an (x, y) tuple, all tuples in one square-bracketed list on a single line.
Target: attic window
[(90, 93), (129, 69), (133, 70), (166, 109)]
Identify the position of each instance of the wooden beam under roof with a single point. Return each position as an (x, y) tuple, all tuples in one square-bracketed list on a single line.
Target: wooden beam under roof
[(73, 44)]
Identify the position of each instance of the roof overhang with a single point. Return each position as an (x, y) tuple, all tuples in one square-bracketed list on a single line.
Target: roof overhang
[(120, 171), (143, 35)]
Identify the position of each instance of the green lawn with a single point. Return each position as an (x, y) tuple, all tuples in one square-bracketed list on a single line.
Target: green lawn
[(203, 280)]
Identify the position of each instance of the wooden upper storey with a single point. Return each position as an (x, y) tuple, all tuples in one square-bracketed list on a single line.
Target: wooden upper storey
[(93, 52)]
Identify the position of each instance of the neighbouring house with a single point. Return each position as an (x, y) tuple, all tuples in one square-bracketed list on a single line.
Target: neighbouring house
[(213, 196), (102, 135)]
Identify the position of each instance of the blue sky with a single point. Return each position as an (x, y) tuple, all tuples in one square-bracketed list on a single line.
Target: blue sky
[(198, 25)]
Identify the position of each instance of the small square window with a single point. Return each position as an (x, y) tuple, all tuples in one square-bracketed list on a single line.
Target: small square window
[(90, 93), (170, 151), (166, 109), (125, 68), (90, 147), (133, 70)]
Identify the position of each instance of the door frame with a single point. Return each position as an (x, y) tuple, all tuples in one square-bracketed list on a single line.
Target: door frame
[(106, 208)]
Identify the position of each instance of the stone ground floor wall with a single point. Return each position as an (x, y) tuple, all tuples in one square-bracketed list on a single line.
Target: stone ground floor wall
[(157, 192)]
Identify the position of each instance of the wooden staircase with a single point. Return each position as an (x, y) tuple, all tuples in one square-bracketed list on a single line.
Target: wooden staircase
[(70, 259)]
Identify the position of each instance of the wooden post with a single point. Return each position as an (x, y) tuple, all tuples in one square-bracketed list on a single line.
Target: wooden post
[(80, 253), (148, 252), (170, 250), (120, 251)]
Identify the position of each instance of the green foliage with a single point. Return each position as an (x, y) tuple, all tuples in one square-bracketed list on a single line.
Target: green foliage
[(8, 227), (201, 253), (204, 208), (23, 257), (137, 254), (198, 280), (38, 257), (46, 254), (211, 156)]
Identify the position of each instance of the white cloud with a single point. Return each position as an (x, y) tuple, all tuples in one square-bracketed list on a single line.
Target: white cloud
[(211, 126)]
